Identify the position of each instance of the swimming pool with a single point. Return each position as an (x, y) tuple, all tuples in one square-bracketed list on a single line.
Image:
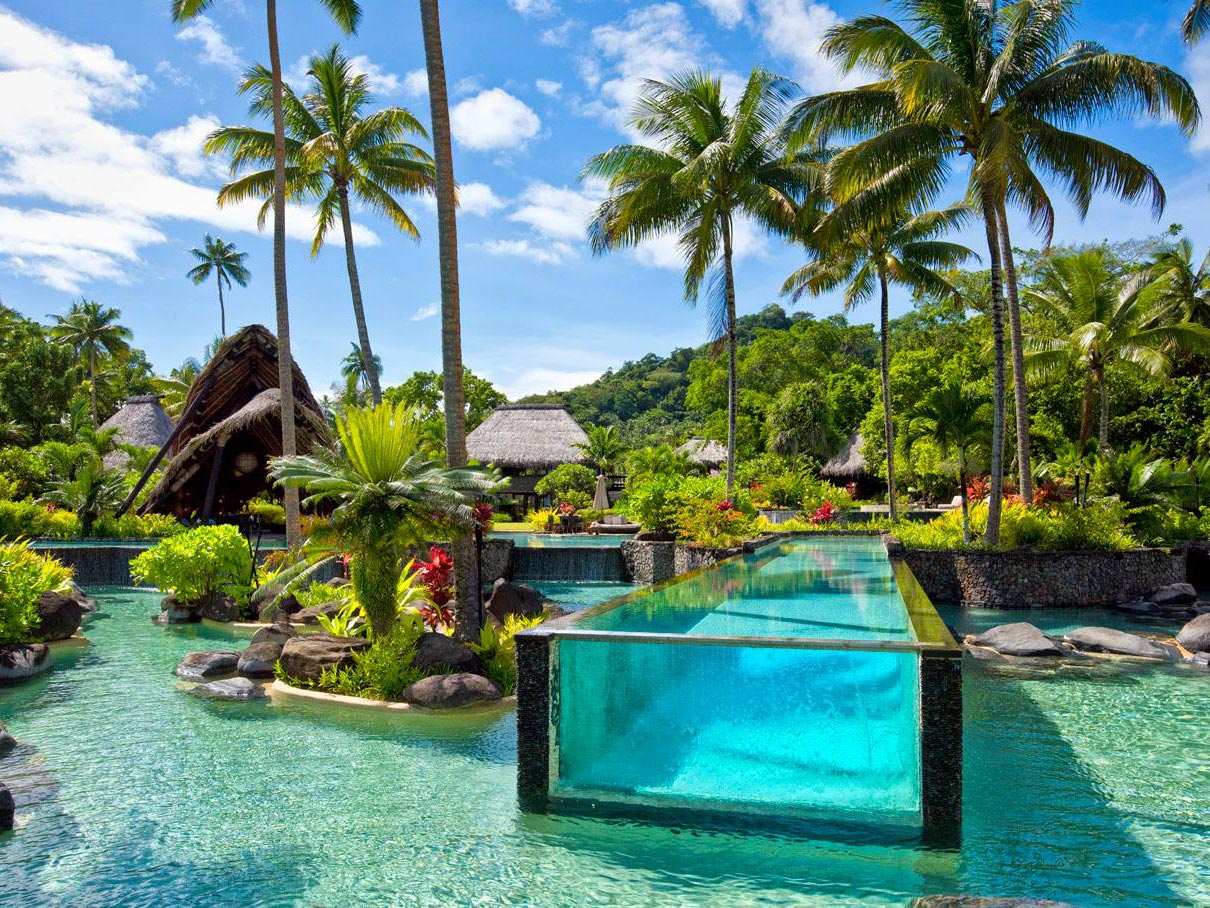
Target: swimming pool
[(576, 595), (560, 540), (1087, 787)]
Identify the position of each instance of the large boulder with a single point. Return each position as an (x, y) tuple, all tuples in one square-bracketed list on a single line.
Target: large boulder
[(1174, 595), (1195, 636), (974, 901), (514, 599), (218, 607), (306, 656), (1107, 640), (277, 633), (173, 612), (19, 661), (7, 741), (78, 594), (8, 808), (59, 616), (230, 689), (1018, 639), (311, 615), (448, 691), (201, 666), (437, 652), (259, 659)]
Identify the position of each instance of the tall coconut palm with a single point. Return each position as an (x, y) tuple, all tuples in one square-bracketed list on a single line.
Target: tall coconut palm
[(1181, 283), (220, 258), (1105, 318), (92, 332), (353, 371), (603, 449), (335, 149), (346, 13), (997, 83), (1197, 22), (708, 164), (957, 420), (903, 249), (466, 579)]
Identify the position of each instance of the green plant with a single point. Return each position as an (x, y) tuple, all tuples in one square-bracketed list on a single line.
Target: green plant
[(652, 503), (136, 526), (25, 518), (715, 524), (1101, 526), (566, 480), (268, 511), (320, 594), (24, 576), (603, 449), (198, 563), (92, 490), (220, 258), (350, 621), (498, 650), (541, 519)]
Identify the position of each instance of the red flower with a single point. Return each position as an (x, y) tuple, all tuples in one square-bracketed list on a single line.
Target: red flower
[(436, 616), (851, 489), (725, 505), (482, 514), (825, 513)]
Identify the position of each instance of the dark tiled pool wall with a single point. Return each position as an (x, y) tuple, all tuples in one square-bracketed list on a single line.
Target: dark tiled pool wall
[(533, 720), (941, 746), (600, 564), (97, 565)]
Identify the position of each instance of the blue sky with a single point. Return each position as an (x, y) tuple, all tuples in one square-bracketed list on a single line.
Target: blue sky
[(103, 189)]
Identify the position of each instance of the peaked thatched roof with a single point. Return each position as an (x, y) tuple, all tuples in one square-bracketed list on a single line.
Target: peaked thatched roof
[(232, 417), (527, 437), (849, 463), (706, 451), (141, 421)]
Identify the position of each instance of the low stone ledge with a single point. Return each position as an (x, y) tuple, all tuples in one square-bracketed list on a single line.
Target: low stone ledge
[(281, 688)]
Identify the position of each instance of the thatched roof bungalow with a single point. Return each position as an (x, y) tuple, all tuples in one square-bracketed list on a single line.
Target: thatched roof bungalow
[(527, 438), (705, 451), (230, 427), (141, 422), (848, 465)]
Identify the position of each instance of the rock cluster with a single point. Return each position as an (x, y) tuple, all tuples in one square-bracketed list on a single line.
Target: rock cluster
[(230, 689), (449, 691), (204, 666), (1172, 602), (19, 661), (307, 655), (1023, 640), (8, 808), (514, 599), (59, 615)]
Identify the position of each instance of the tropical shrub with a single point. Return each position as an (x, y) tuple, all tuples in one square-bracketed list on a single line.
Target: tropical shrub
[(715, 524), (382, 672), (268, 511), (24, 576), (568, 479), (89, 493), (198, 563), (25, 472), (652, 503), (321, 594), (1101, 526), (136, 526), (19, 519), (540, 519), (498, 650)]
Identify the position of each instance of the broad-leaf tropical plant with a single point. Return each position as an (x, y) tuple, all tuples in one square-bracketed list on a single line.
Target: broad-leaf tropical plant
[(902, 248), (388, 496), (218, 257), (346, 14), (709, 164), (336, 150), (92, 331)]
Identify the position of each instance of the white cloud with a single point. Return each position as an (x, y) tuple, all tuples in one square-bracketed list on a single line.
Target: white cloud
[(539, 381), (559, 35), (79, 196), (425, 312), (794, 30), (381, 81), (478, 198), (558, 212), (533, 7), (493, 120), (416, 83), (664, 252), (1197, 64), (544, 253), (729, 13), (549, 87), (214, 47), (183, 146)]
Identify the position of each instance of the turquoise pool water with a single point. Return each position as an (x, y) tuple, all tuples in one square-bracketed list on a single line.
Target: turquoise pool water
[(574, 596), (560, 541), (1086, 785)]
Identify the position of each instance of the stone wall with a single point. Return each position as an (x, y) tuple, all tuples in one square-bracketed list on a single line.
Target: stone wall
[(1025, 579), (655, 562)]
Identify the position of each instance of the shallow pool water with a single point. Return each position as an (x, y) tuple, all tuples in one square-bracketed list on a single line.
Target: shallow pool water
[(560, 540), (1084, 784), (577, 595)]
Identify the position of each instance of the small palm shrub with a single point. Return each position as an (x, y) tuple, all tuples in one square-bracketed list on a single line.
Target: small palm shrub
[(498, 650), (198, 563), (24, 576)]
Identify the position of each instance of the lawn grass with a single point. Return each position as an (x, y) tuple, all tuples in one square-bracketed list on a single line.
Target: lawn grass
[(515, 526)]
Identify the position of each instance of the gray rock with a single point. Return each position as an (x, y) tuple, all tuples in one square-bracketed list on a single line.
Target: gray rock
[(8, 808), (449, 691), (1107, 640), (1137, 607), (82, 598), (306, 656), (59, 616), (218, 607), (19, 661), (972, 901), (1195, 636), (1018, 639), (230, 689), (436, 652), (311, 615), (1201, 660), (259, 659), (1174, 594), (173, 612), (200, 666), (274, 633), (514, 599), (7, 741), (288, 604)]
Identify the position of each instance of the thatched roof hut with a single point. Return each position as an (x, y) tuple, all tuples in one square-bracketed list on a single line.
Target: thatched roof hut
[(527, 438), (848, 465), (141, 422), (230, 427), (705, 451)]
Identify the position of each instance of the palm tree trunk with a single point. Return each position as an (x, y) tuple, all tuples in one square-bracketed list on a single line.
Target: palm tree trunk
[(359, 313), (222, 310), (966, 511), (1086, 406), (285, 362), (732, 356), (888, 422), (1103, 436), (466, 581), (1020, 389), (92, 387), (992, 537)]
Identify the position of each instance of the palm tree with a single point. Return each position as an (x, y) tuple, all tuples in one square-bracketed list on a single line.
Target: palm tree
[(466, 580), (389, 498), (708, 165), (955, 418), (603, 449), (221, 259), (92, 332), (1181, 284), (997, 83), (903, 249), (1104, 318), (353, 371), (657, 460), (346, 13), (334, 149), (1197, 22), (1073, 461), (89, 492)]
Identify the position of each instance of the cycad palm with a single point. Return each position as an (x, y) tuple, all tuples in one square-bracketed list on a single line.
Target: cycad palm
[(903, 250), (92, 331), (220, 258), (998, 83), (389, 498), (1105, 318), (708, 165), (334, 148), (346, 14)]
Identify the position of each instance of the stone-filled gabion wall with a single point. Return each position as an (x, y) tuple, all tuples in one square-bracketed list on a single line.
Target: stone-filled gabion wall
[(1025, 579)]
